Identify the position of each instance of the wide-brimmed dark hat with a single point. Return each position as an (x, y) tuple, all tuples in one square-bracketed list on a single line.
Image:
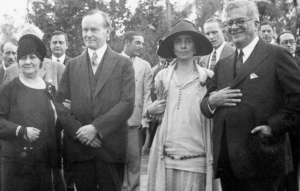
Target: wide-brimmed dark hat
[(203, 46), (31, 44)]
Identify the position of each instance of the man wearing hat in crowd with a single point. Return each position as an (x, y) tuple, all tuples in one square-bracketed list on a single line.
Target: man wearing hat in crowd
[(180, 156), (254, 100), (51, 71), (58, 45), (133, 45), (215, 31)]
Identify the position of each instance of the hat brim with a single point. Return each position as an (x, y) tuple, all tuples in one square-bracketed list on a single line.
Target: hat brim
[(203, 46)]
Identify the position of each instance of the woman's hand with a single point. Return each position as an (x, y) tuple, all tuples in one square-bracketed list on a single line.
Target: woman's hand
[(157, 107), (32, 134)]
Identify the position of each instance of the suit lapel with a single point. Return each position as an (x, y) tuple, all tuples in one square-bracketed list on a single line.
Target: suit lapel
[(256, 57), (228, 69), (83, 72), (109, 63)]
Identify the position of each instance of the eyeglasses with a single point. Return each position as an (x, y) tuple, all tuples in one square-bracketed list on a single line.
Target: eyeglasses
[(291, 41), (238, 23)]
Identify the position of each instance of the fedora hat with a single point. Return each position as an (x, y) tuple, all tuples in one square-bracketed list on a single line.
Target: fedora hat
[(203, 46)]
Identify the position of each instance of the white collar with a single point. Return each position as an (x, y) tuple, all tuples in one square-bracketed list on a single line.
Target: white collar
[(100, 52), (61, 59), (219, 50), (4, 67), (249, 49)]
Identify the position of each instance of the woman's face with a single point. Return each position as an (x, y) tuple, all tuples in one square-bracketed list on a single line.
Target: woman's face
[(184, 47), (29, 65)]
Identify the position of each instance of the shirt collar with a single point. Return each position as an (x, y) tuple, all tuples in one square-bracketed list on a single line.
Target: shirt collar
[(124, 54), (4, 67), (100, 52), (219, 50), (249, 49), (61, 59)]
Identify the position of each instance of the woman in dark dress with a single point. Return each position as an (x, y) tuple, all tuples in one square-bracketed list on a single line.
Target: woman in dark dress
[(28, 124)]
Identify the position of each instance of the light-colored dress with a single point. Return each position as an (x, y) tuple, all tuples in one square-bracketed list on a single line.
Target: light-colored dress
[(183, 131)]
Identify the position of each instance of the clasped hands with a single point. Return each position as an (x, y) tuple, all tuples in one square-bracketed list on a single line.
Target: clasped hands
[(87, 136), (230, 97)]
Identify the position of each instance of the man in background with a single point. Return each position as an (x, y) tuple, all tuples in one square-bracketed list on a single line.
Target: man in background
[(9, 57), (215, 31), (266, 32), (58, 45), (133, 45)]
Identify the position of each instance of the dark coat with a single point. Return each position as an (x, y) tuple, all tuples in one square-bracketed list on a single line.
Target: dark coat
[(272, 98), (108, 109)]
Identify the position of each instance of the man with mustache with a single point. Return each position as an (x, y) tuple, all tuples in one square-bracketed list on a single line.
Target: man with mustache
[(215, 31), (133, 45), (254, 100), (266, 32), (9, 57), (287, 40), (58, 45)]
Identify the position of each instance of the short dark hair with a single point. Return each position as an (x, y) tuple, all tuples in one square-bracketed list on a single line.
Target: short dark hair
[(2, 46), (129, 35), (265, 23), (107, 21), (284, 32), (57, 32), (215, 19)]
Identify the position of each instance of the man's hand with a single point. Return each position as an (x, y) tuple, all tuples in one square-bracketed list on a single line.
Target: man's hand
[(225, 97), (32, 134), (96, 143), (265, 129), (86, 134), (157, 107), (67, 104)]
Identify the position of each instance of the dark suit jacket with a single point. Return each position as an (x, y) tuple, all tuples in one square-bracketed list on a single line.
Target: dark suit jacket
[(271, 98), (108, 109), (227, 50)]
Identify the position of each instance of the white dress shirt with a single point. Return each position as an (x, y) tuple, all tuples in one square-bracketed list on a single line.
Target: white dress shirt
[(100, 53)]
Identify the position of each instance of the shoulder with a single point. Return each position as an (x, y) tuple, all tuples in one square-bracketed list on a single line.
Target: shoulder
[(8, 86), (144, 62), (12, 69)]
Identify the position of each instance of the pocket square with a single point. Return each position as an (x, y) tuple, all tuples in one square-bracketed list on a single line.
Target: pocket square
[(253, 76)]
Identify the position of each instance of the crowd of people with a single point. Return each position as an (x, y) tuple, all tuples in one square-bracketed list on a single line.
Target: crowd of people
[(222, 116)]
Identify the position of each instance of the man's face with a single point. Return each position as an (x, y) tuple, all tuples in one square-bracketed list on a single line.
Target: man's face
[(58, 45), (134, 47), (93, 31), (243, 34), (287, 41), (214, 34), (266, 33), (9, 55)]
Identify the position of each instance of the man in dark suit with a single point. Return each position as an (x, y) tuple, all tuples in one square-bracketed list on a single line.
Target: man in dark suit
[(215, 31), (9, 57), (287, 40), (254, 99), (100, 84), (58, 45)]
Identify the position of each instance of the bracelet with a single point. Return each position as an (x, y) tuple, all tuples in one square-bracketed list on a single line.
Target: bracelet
[(18, 129)]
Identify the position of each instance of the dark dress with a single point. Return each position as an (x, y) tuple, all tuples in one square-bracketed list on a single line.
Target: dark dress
[(27, 166)]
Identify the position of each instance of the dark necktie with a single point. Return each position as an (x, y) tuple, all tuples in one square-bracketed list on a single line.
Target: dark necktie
[(213, 60), (239, 62), (58, 60)]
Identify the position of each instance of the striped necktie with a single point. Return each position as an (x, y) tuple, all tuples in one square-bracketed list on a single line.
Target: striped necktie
[(213, 60), (94, 59)]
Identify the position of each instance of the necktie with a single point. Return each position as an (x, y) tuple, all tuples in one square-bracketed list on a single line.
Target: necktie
[(94, 59), (213, 60), (58, 60), (239, 61)]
